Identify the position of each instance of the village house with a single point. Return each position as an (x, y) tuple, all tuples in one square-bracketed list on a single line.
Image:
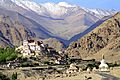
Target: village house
[(59, 61)]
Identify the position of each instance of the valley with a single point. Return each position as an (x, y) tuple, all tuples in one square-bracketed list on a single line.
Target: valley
[(58, 41)]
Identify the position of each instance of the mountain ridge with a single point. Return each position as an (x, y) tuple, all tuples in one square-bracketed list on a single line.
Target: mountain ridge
[(55, 7), (73, 18), (99, 39), (74, 38)]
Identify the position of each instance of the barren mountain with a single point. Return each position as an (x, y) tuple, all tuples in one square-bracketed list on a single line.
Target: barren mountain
[(104, 39), (15, 28), (12, 33), (60, 20)]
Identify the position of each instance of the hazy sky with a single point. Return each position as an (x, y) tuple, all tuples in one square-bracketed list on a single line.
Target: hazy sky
[(103, 4)]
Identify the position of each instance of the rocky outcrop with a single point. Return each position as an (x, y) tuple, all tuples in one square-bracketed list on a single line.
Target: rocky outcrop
[(97, 39)]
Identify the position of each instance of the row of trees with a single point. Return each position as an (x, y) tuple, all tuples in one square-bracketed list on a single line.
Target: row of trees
[(7, 54)]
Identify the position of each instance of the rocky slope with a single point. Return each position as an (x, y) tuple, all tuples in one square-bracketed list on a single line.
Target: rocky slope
[(111, 52), (12, 34), (54, 43), (14, 28), (74, 38), (57, 19), (105, 35)]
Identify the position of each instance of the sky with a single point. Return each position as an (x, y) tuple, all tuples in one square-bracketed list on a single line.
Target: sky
[(102, 4)]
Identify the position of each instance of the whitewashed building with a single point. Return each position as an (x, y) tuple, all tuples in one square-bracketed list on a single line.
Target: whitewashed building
[(103, 65), (30, 47), (72, 69)]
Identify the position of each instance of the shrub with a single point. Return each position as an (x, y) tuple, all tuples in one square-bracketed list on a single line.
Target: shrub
[(92, 65), (47, 62), (26, 64), (29, 64), (113, 64)]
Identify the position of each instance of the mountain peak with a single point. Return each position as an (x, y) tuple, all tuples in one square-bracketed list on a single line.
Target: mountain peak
[(55, 9), (65, 4)]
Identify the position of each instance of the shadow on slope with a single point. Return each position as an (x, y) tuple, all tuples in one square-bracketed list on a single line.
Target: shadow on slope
[(74, 38)]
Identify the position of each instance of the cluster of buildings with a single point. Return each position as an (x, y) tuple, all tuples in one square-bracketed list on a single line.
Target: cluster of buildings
[(31, 47)]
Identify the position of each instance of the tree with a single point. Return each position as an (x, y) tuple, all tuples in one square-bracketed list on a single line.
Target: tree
[(7, 54)]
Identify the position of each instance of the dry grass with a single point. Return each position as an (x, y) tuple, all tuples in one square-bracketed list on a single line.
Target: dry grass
[(80, 76)]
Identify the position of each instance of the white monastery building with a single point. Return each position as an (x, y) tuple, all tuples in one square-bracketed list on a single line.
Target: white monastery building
[(31, 47)]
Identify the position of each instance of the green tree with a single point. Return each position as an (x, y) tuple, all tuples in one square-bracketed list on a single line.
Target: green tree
[(7, 54)]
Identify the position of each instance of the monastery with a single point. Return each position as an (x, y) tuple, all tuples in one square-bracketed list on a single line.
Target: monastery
[(31, 47)]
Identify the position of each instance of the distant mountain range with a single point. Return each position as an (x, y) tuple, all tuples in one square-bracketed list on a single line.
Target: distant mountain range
[(48, 20)]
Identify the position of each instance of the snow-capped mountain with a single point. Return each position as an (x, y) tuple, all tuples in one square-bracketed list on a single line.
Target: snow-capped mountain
[(61, 20), (47, 9), (59, 9), (52, 9), (98, 12)]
